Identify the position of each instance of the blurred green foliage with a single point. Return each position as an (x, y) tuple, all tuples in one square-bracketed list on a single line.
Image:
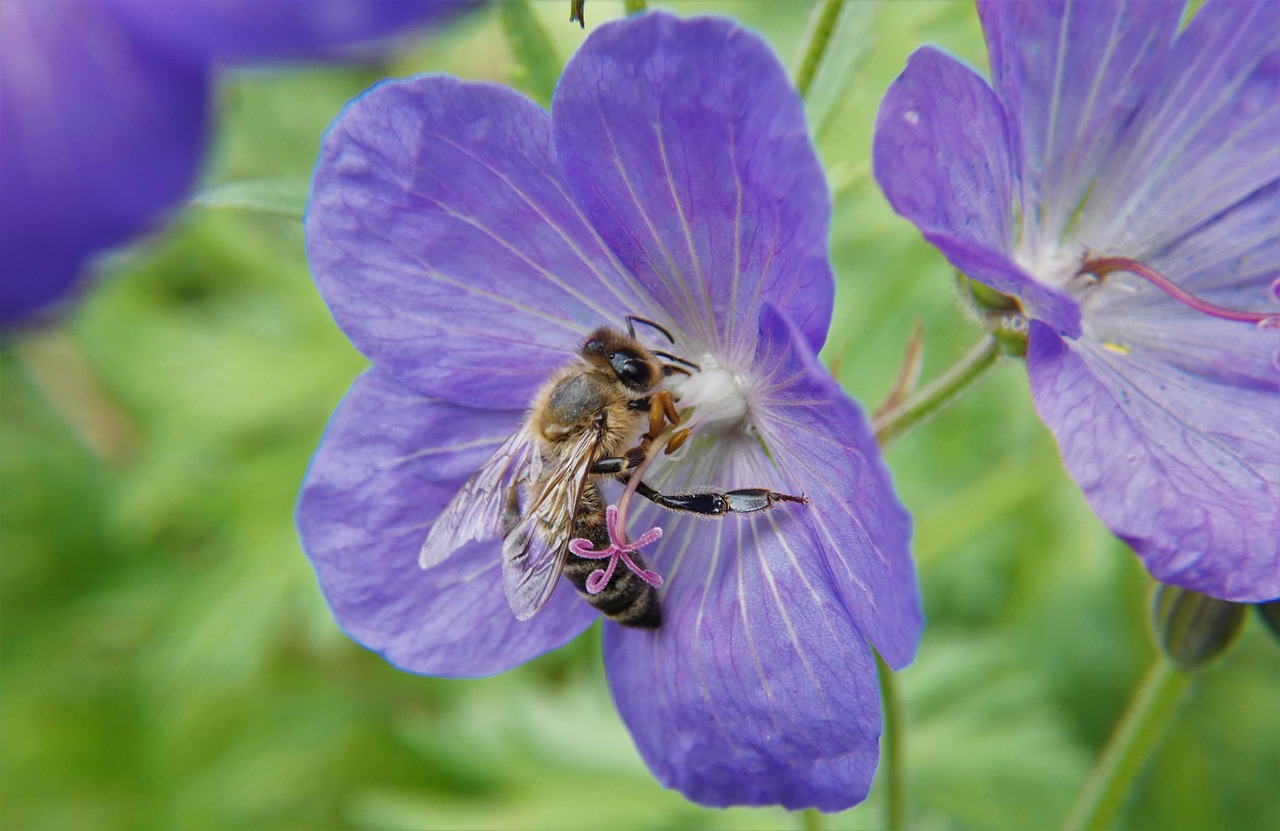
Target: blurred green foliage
[(168, 662)]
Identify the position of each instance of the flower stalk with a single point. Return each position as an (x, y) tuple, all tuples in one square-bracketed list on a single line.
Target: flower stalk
[(811, 819), (892, 750), (818, 36), (940, 392), (538, 65), (1144, 722)]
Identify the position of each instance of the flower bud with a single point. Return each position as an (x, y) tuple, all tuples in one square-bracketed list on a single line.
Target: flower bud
[(1194, 629)]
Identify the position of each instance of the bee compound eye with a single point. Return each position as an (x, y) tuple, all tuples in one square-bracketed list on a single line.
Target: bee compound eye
[(633, 371)]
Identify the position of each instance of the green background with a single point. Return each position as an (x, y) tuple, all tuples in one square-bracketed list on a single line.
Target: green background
[(168, 661)]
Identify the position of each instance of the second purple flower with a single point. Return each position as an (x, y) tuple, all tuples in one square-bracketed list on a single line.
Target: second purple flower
[(1121, 180)]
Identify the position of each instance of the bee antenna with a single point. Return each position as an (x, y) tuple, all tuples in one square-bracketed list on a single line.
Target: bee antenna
[(633, 319), (677, 359)]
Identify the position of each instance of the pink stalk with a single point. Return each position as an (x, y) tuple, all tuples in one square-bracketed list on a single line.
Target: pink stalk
[(1103, 266)]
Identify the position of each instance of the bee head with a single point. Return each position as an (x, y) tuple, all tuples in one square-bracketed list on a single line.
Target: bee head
[(633, 365)]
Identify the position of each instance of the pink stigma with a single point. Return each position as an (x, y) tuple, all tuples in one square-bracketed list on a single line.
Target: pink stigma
[(617, 549), (1103, 266)]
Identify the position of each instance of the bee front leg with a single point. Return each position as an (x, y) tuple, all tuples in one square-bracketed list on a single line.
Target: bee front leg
[(743, 501)]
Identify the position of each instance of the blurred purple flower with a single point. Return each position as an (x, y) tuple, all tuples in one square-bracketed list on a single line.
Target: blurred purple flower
[(1122, 181), (102, 113), (467, 243)]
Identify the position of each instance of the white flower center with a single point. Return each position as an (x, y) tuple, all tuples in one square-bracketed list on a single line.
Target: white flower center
[(716, 397), (1055, 266)]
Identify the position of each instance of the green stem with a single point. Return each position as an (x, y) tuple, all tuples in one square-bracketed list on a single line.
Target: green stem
[(892, 765), (821, 26), (1099, 802), (811, 819), (634, 6), (538, 65), (899, 419)]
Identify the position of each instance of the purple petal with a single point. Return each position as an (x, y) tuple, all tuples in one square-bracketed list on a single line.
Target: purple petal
[(1204, 141), (1231, 261), (1173, 437), (687, 146), (442, 241), (819, 436), (97, 137), (941, 155), (759, 687), (207, 30), (1070, 75), (387, 465)]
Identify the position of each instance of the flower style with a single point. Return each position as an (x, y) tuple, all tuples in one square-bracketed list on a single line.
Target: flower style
[(467, 242), (617, 549), (104, 108), (1121, 180)]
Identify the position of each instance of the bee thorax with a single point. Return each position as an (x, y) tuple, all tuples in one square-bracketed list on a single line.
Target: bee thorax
[(580, 400)]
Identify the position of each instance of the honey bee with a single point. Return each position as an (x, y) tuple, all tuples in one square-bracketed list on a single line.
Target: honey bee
[(539, 489)]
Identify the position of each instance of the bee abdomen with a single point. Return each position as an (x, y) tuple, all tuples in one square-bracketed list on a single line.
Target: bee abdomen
[(626, 599)]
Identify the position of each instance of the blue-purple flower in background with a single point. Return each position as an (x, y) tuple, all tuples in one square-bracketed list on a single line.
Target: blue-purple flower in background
[(468, 242), (103, 105), (1121, 180)]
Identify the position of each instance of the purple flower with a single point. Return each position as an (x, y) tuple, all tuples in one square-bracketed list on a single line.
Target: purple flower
[(1121, 180), (104, 107), (468, 243)]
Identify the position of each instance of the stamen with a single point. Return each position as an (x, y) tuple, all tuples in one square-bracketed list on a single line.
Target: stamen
[(617, 549), (1103, 266)]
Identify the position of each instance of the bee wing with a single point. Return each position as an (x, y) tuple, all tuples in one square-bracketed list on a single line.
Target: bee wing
[(487, 502), (533, 553)]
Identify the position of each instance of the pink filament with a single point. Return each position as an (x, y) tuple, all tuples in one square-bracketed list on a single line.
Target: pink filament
[(1103, 266)]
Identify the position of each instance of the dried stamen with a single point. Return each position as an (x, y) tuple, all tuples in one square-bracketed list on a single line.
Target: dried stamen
[(617, 549), (1103, 266)]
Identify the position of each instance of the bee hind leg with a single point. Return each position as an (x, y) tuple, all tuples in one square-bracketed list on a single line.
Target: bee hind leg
[(620, 464), (742, 501)]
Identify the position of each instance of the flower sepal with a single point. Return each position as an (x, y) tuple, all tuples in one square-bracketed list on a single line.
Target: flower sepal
[(1000, 314)]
